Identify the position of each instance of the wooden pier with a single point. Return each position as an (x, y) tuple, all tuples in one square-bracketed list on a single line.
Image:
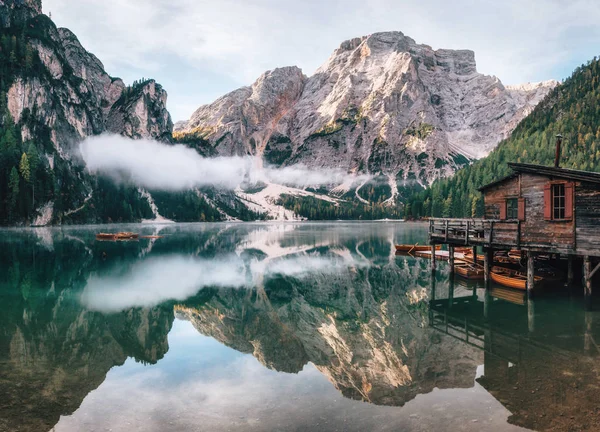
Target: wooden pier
[(540, 211)]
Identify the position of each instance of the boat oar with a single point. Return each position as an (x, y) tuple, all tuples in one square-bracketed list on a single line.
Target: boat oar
[(411, 249)]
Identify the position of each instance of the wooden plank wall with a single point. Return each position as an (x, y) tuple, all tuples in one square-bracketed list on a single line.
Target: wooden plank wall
[(587, 212), (535, 230), (496, 196)]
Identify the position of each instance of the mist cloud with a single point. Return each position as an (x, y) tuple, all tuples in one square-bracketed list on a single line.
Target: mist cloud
[(160, 166)]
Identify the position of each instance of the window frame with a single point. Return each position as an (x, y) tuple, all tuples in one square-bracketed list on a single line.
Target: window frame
[(514, 209), (559, 202), (568, 201)]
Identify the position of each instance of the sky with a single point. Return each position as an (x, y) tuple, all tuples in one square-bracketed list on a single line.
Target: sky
[(201, 49)]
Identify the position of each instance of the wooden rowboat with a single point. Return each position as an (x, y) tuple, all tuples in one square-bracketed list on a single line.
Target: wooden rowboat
[(469, 270), (415, 248), (511, 278), (469, 257), (122, 236)]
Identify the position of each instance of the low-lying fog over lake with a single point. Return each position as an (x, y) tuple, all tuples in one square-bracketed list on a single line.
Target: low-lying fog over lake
[(276, 326)]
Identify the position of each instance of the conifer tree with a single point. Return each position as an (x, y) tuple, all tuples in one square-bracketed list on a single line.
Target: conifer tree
[(24, 168)]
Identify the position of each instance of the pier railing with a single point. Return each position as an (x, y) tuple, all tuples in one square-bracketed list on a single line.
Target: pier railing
[(475, 232)]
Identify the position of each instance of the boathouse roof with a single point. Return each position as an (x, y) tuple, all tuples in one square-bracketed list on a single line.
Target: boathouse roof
[(562, 173)]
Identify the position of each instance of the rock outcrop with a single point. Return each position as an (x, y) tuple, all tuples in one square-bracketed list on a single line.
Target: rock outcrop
[(58, 94), (380, 104)]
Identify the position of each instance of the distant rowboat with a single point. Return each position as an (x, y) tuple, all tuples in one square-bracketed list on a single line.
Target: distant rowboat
[(511, 278), (121, 236)]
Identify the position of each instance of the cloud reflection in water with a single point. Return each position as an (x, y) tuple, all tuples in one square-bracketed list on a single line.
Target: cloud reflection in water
[(152, 281)]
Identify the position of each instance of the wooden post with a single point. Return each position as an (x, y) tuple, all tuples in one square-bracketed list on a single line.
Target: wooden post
[(451, 259), (530, 274), (488, 260), (433, 267), (587, 279), (570, 270), (475, 254)]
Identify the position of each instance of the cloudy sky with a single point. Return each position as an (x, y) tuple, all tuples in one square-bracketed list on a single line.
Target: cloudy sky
[(201, 49)]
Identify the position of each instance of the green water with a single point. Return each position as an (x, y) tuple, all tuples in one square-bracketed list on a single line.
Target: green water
[(287, 327)]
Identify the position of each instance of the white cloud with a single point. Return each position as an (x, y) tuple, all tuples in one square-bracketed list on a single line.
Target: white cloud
[(155, 165), (234, 41)]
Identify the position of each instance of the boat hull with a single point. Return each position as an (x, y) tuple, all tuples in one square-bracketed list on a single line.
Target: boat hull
[(511, 278)]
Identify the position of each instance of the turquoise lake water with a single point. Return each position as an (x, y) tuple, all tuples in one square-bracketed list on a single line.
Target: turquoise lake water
[(277, 327)]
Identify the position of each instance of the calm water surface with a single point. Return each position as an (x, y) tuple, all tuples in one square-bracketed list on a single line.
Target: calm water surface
[(277, 327)]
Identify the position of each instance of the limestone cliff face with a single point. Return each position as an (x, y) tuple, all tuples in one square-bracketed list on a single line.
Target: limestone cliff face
[(243, 121), (142, 114), (63, 95), (18, 11), (76, 98), (381, 103)]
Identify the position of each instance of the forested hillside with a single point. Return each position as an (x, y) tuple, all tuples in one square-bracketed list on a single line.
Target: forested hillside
[(571, 109)]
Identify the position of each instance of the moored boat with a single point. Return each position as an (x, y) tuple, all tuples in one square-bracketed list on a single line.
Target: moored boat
[(511, 278), (469, 270)]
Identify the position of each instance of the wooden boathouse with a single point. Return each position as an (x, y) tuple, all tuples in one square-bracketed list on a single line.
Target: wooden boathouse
[(538, 210)]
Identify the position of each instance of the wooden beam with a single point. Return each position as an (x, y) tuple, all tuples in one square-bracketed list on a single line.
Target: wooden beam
[(451, 258), (570, 270), (446, 230), (475, 254), (530, 274), (433, 266), (587, 280), (488, 259), (594, 271)]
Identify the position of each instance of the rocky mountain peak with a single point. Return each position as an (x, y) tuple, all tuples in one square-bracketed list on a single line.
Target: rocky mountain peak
[(381, 104)]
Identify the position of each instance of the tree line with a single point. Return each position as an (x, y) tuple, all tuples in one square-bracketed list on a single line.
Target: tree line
[(571, 109)]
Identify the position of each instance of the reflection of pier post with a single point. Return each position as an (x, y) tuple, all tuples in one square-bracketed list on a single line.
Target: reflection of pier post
[(587, 336), (433, 266), (587, 279), (487, 303), (432, 297), (531, 315), (450, 290)]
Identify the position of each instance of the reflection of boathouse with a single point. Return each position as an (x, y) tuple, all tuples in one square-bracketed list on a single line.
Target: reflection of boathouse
[(537, 210), (543, 370)]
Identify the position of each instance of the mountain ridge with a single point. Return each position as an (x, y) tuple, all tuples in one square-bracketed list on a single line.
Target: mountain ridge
[(383, 102)]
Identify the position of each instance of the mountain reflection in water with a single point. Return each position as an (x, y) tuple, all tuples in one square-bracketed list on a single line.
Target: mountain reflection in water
[(328, 303)]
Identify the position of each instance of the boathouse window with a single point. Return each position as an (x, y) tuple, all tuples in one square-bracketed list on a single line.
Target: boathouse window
[(512, 208), (558, 201)]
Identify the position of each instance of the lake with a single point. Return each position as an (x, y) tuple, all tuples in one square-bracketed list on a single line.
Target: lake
[(278, 327)]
